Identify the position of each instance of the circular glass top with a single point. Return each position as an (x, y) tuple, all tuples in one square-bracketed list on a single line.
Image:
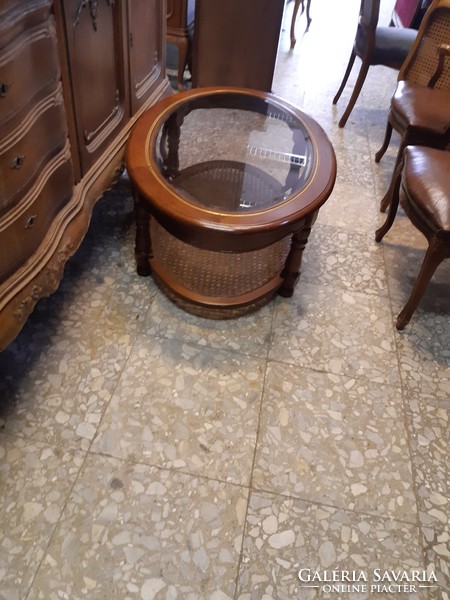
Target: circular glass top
[(234, 153)]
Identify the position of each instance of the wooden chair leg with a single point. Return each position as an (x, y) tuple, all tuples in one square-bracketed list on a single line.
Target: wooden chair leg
[(435, 254), (387, 138), (345, 78), (356, 91), (387, 198), (393, 206)]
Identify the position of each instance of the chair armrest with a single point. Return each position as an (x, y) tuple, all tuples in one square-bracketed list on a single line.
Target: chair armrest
[(443, 51)]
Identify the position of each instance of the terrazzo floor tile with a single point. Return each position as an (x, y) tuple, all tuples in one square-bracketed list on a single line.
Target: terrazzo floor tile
[(428, 420), (330, 329), (434, 521), (248, 334), (284, 536), (36, 480), (133, 531), (351, 207), (424, 354), (129, 304), (336, 441), (179, 406), (344, 259), (353, 164), (65, 391)]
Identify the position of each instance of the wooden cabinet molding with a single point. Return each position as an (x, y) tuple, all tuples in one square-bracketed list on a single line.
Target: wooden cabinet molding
[(74, 78)]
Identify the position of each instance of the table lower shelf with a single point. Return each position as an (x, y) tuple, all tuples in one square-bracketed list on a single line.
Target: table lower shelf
[(213, 284)]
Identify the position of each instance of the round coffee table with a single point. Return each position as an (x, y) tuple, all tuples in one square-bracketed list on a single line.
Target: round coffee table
[(228, 183)]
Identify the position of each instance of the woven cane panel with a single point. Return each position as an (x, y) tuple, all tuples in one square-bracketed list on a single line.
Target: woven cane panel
[(228, 186), (425, 61), (214, 273), (216, 312)]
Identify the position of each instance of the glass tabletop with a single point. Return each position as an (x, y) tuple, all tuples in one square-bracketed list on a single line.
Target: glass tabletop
[(234, 152)]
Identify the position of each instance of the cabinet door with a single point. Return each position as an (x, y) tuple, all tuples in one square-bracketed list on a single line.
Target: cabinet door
[(94, 33), (146, 20)]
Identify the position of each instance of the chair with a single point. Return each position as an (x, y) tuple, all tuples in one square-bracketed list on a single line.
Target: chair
[(420, 106), (422, 184), (294, 17), (374, 45)]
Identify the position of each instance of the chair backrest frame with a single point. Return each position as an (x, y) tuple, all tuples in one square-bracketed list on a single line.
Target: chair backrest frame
[(369, 13)]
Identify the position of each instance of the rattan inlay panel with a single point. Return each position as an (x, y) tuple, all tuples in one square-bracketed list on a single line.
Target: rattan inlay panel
[(425, 60), (214, 273)]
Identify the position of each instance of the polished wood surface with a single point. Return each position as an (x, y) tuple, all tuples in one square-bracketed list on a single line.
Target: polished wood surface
[(74, 77), (212, 230), (92, 42), (146, 48), (236, 42)]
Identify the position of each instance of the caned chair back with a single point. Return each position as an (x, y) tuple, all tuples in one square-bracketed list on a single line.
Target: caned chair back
[(422, 59)]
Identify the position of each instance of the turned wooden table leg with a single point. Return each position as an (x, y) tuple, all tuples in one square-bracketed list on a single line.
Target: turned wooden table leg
[(291, 271), (143, 246)]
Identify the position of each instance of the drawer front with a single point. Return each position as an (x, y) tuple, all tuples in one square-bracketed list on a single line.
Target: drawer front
[(24, 153), (29, 68), (23, 228)]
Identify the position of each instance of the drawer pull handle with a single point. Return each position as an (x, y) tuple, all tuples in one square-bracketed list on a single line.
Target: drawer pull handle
[(30, 221), (4, 87), (17, 162)]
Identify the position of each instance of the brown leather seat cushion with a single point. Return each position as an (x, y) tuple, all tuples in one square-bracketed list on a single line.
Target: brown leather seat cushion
[(420, 106), (426, 184)]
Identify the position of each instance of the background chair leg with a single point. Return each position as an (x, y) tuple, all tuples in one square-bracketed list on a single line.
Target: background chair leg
[(308, 16), (356, 91), (387, 138), (435, 254), (346, 76), (294, 17)]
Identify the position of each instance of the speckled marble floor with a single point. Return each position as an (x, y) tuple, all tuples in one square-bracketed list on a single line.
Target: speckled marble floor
[(147, 453)]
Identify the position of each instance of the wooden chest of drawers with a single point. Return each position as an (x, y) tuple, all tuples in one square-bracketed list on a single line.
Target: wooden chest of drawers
[(74, 78)]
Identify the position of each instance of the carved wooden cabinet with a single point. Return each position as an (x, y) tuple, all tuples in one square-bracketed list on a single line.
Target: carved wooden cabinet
[(146, 38), (74, 77), (94, 37)]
